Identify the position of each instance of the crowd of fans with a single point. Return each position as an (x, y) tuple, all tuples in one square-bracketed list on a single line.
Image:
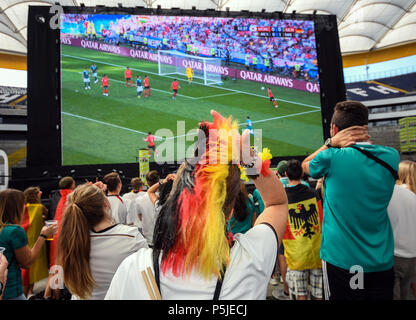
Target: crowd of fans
[(292, 53), (359, 213)]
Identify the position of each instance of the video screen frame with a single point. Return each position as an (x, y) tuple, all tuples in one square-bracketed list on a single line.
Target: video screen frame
[(326, 112)]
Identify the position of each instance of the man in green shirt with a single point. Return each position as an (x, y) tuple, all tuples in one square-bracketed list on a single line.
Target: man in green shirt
[(357, 240)]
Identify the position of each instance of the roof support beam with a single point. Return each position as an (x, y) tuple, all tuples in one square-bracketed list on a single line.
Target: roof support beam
[(405, 10), (220, 3)]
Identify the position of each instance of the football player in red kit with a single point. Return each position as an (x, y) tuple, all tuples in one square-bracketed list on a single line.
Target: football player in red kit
[(104, 83), (175, 86), (272, 99), (127, 75), (146, 86)]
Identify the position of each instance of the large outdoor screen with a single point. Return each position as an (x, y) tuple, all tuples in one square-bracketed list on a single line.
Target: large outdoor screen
[(118, 74)]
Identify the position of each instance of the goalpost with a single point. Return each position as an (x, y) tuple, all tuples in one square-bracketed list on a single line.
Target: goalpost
[(175, 62)]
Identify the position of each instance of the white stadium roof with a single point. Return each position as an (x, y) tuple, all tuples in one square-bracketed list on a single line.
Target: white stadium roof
[(363, 25)]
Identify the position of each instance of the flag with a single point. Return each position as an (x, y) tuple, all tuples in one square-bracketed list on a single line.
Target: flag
[(32, 224)]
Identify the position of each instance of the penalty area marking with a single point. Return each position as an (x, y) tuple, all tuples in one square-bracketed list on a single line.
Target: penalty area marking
[(257, 121), (107, 124), (219, 95), (281, 117), (170, 138)]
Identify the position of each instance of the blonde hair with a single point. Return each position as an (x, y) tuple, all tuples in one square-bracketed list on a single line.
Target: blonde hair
[(407, 174), (84, 210)]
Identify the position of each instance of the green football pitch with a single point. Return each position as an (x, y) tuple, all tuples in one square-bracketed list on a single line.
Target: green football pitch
[(110, 129)]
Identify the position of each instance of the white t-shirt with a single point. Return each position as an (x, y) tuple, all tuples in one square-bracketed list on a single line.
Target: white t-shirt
[(109, 247), (118, 209), (402, 214), (133, 195), (147, 209), (130, 201), (253, 258)]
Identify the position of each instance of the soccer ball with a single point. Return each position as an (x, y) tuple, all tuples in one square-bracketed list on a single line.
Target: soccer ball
[(262, 88)]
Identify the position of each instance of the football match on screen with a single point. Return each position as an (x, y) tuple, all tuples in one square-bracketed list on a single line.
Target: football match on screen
[(124, 76)]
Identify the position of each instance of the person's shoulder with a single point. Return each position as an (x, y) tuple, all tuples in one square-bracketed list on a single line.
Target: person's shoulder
[(402, 190), (138, 259), (378, 148), (34, 205), (384, 152), (13, 228), (125, 229), (258, 245), (127, 195), (13, 232), (260, 233)]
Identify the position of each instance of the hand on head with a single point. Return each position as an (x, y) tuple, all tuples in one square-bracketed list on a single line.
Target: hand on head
[(101, 185), (350, 136), (170, 176)]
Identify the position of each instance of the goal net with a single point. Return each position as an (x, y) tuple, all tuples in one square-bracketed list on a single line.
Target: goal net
[(174, 62)]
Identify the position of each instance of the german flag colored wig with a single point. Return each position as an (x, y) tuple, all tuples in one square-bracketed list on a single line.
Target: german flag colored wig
[(190, 231)]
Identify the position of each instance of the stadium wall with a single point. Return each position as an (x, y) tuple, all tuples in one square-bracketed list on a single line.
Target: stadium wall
[(13, 61), (381, 55)]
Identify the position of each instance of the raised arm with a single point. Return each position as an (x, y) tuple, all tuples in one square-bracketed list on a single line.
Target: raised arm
[(26, 256), (271, 191), (275, 202)]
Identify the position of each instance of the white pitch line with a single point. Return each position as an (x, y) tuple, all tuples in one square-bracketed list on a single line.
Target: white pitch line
[(184, 135), (218, 95), (212, 86), (257, 121), (107, 124), (281, 117)]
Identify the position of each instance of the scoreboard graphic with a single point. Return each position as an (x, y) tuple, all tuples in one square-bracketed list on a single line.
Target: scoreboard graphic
[(269, 31)]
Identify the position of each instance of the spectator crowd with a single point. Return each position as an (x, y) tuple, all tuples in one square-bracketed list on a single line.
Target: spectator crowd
[(290, 48), (347, 210)]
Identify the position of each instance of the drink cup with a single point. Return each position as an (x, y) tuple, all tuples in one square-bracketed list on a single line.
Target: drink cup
[(50, 223)]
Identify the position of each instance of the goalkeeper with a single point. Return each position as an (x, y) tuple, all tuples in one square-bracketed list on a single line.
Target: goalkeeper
[(189, 74)]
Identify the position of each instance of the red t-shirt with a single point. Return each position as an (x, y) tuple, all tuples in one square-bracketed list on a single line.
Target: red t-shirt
[(175, 85), (104, 81), (146, 82), (270, 93), (127, 73)]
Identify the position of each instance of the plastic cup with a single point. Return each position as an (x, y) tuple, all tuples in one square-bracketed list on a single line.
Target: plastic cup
[(50, 223)]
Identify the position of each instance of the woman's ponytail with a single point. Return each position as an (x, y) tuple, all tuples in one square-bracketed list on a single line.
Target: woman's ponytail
[(84, 210)]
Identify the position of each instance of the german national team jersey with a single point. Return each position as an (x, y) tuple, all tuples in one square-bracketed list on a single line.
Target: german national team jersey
[(139, 82), (175, 85), (146, 82), (94, 69), (104, 81), (127, 73), (86, 74)]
